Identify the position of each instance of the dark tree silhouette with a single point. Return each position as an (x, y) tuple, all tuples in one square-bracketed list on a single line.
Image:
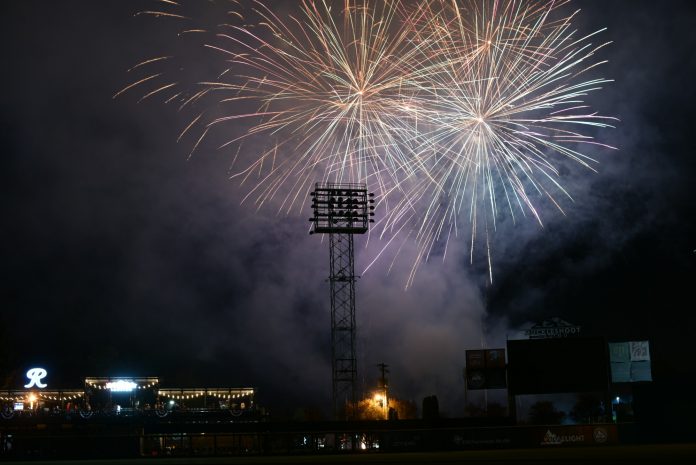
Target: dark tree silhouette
[(544, 413), (587, 409)]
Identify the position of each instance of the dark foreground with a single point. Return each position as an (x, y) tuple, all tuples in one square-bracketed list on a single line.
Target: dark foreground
[(620, 454)]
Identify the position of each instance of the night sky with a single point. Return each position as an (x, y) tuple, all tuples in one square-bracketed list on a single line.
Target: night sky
[(120, 255)]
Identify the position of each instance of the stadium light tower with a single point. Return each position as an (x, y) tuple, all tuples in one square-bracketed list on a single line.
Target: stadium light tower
[(342, 210)]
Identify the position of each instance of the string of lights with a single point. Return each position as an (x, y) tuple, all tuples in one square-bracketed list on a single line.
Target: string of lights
[(61, 397), (51, 395), (125, 385), (184, 395), (122, 384)]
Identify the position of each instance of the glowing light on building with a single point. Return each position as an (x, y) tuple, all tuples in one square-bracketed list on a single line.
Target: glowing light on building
[(121, 386), (31, 398)]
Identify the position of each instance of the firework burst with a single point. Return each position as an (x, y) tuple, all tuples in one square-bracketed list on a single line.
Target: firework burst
[(329, 85), (502, 109), (455, 112)]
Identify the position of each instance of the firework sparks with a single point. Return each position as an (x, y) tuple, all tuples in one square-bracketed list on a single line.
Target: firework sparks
[(501, 110), (330, 87), (454, 111)]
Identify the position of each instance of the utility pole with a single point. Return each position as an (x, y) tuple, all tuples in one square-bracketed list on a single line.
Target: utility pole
[(384, 386)]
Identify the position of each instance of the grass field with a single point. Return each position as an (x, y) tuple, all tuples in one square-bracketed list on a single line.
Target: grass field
[(624, 454)]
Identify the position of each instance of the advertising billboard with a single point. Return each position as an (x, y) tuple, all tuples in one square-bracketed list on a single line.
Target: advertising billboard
[(548, 366), (485, 369), (630, 361)]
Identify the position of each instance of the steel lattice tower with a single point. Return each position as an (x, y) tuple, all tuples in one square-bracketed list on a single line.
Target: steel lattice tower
[(342, 210)]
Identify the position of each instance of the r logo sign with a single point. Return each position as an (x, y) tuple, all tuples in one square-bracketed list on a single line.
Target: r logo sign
[(35, 376)]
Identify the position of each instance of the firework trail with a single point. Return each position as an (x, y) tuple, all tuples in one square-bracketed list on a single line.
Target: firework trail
[(454, 111)]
